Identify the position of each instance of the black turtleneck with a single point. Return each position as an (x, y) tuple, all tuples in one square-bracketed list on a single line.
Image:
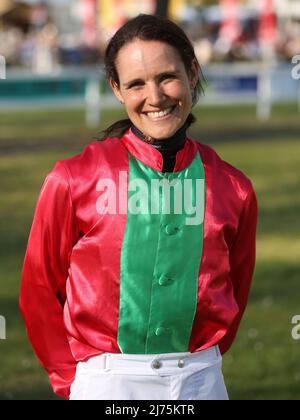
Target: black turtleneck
[(168, 147)]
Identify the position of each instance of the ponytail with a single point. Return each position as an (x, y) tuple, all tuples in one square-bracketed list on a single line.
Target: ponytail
[(118, 129)]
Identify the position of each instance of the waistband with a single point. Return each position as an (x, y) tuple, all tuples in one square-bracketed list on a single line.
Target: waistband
[(155, 364)]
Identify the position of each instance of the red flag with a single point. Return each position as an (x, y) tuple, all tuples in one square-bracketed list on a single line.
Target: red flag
[(268, 22), (231, 27)]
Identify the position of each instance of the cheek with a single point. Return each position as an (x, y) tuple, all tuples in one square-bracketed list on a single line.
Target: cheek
[(178, 90), (133, 101)]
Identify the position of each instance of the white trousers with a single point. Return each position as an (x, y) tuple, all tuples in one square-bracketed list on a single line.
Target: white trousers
[(170, 376)]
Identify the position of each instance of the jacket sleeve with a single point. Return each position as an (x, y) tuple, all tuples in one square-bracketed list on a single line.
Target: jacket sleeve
[(44, 275), (242, 262)]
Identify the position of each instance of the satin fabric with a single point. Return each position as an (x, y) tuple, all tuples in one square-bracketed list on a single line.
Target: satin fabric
[(158, 279), (70, 291)]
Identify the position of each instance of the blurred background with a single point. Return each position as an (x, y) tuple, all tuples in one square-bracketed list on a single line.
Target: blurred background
[(54, 100)]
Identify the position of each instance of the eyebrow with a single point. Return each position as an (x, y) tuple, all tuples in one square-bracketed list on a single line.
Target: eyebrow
[(172, 72)]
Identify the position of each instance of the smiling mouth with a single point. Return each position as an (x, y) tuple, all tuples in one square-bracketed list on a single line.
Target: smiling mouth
[(161, 114)]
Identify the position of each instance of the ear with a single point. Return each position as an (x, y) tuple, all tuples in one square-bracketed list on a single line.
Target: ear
[(194, 73), (115, 88)]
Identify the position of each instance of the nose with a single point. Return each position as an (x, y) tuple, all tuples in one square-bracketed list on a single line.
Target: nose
[(155, 95)]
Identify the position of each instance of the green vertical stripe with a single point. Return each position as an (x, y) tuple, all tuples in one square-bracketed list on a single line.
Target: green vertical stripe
[(160, 260)]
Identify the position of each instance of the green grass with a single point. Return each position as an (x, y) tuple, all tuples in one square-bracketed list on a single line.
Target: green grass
[(264, 361)]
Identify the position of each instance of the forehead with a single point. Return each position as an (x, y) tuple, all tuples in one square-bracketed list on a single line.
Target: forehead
[(146, 58)]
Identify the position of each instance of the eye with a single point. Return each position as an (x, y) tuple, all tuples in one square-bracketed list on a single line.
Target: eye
[(168, 77), (135, 85)]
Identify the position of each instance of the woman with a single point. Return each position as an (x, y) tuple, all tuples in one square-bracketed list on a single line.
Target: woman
[(142, 248)]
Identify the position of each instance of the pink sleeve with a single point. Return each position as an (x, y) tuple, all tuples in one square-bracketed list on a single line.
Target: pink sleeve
[(44, 276), (242, 263)]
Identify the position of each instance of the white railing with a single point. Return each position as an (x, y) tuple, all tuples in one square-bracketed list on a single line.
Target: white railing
[(227, 84), (2, 328)]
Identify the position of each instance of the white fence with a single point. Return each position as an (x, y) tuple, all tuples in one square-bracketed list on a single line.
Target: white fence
[(2, 328), (227, 84), (2, 67)]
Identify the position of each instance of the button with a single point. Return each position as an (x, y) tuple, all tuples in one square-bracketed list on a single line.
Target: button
[(181, 363), (173, 182), (156, 364), (161, 331), (165, 281), (171, 229)]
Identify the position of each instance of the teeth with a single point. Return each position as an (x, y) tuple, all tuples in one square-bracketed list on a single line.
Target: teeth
[(160, 114)]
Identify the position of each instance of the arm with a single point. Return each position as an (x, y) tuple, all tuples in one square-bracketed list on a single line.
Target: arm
[(242, 263), (44, 276)]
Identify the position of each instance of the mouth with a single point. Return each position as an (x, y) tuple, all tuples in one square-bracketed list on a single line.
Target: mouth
[(161, 115)]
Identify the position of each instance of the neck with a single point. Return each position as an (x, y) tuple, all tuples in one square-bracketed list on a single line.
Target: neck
[(164, 144), (168, 147)]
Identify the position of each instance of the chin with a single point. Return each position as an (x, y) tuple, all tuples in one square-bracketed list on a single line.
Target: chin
[(163, 134)]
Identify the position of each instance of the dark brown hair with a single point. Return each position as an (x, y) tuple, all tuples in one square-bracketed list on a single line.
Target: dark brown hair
[(149, 28)]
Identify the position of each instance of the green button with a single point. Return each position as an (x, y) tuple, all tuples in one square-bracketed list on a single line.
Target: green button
[(172, 230), (161, 331), (165, 281), (173, 181)]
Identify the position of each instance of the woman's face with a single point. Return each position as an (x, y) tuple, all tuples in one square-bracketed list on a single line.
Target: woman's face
[(155, 87)]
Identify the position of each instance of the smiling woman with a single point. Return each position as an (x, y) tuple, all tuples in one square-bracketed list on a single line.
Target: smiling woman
[(155, 88), (142, 301), (153, 70)]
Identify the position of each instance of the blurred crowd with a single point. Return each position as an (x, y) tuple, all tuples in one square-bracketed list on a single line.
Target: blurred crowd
[(30, 38), (248, 44)]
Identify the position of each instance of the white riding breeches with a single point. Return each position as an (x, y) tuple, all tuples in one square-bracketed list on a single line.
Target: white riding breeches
[(170, 376)]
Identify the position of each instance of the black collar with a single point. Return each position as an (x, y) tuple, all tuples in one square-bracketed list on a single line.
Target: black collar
[(168, 147), (170, 144)]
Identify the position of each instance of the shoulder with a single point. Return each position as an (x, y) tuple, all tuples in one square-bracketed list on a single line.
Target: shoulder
[(86, 161), (223, 172)]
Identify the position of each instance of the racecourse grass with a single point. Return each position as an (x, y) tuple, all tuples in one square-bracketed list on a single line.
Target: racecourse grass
[(264, 361)]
